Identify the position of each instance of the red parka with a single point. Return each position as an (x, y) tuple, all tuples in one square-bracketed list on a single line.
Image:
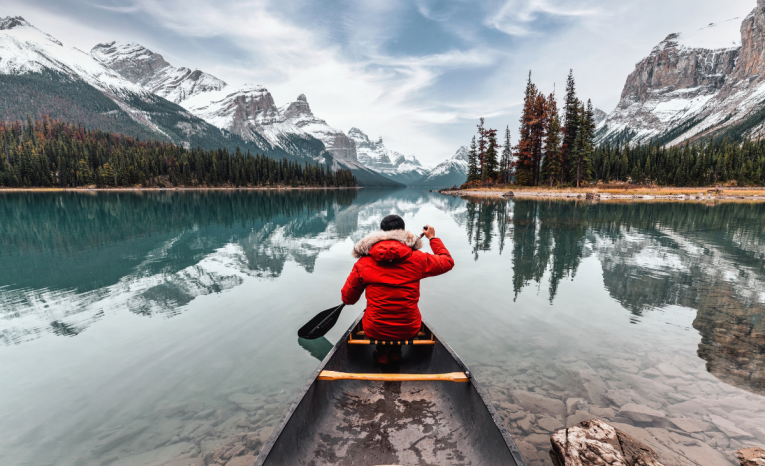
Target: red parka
[(390, 268)]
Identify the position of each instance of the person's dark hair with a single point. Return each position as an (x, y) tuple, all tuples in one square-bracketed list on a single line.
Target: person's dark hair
[(392, 222)]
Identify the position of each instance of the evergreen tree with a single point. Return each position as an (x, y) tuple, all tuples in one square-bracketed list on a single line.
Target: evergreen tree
[(472, 162), (553, 163), (491, 164), (570, 123), (507, 158), (582, 153), (482, 145), (524, 164)]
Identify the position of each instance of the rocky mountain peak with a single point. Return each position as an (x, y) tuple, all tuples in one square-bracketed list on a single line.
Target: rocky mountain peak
[(598, 116), (361, 139), (133, 62), (299, 109), (10, 22), (675, 80), (461, 154)]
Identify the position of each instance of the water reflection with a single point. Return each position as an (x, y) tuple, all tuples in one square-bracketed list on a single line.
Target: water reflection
[(653, 255), (318, 348), (159, 327)]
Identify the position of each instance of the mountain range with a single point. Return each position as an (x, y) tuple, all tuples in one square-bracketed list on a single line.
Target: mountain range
[(704, 84), (129, 89)]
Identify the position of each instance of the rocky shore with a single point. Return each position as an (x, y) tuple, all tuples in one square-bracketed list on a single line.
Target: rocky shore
[(701, 195), (668, 403)]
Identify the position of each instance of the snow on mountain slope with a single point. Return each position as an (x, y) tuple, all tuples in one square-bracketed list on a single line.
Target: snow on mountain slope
[(374, 155), (674, 83), (448, 173), (714, 36), (248, 111), (705, 83), (26, 49), (141, 66)]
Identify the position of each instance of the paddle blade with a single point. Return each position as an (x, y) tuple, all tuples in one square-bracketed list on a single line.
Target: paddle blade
[(321, 323)]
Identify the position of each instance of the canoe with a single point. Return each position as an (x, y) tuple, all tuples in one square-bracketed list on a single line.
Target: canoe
[(426, 410)]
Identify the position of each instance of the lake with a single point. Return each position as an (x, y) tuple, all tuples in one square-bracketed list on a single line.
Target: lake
[(160, 327)]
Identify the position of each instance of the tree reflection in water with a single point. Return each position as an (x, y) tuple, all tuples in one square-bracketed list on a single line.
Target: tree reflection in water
[(653, 255)]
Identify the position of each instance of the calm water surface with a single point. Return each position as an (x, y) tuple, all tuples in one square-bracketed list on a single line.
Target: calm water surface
[(159, 328)]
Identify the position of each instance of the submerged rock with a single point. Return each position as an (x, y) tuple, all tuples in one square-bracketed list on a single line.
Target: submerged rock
[(533, 403)]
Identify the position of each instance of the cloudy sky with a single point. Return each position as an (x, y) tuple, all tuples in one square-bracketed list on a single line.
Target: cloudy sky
[(419, 73)]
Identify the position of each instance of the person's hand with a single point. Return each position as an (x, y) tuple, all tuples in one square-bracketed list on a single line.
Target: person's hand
[(430, 232)]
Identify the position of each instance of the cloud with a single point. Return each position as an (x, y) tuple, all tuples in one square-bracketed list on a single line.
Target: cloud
[(518, 17), (116, 9)]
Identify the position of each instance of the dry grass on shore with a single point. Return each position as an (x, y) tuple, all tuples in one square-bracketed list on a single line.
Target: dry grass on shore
[(628, 190)]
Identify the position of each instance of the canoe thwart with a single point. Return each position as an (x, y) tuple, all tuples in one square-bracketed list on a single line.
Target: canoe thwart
[(449, 377), (352, 341)]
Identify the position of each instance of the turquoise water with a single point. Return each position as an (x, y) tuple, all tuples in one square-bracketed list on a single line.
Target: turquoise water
[(159, 328)]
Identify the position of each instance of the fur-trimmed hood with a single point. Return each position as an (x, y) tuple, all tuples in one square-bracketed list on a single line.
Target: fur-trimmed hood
[(365, 244)]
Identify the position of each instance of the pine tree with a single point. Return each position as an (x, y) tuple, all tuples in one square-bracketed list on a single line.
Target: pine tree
[(538, 134), (482, 145), (491, 165), (524, 165), (553, 163), (570, 124), (582, 153), (472, 162), (507, 158)]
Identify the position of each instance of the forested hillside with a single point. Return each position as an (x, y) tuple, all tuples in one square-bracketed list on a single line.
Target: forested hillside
[(51, 153), (727, 161)]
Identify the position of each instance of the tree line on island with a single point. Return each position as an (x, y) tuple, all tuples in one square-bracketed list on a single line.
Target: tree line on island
[(51, 153), (558, 149)]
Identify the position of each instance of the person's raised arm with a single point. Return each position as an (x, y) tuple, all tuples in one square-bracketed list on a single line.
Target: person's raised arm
[(353, 288), (440, 261)]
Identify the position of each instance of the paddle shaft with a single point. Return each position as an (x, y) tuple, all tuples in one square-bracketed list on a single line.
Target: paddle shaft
[(329, 317)]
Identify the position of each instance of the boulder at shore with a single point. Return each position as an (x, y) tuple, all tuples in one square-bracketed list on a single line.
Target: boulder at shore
[(593, 442), (751, 456)]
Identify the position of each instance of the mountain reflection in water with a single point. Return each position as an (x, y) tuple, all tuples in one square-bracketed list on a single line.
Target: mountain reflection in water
[(146, 328)]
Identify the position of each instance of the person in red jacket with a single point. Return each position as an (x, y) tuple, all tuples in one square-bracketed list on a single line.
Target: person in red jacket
[(390, 267)]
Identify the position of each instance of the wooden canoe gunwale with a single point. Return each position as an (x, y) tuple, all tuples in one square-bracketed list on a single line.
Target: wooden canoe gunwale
[(498, 422)]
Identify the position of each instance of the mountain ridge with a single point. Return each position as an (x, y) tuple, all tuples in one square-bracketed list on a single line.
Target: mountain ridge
[(249, 111), (700, 85)]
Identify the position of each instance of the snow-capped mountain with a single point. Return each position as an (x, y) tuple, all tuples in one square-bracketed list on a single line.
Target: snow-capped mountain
[(25, 49), (68, 84), (703, 83), (149, 70), (249, 111), (405, 169), (451, 172)]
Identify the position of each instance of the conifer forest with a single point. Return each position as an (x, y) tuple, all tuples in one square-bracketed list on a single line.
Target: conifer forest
[(558, 149), (50, 153)]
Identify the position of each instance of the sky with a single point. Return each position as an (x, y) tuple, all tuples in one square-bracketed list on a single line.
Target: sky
[(418, 73)]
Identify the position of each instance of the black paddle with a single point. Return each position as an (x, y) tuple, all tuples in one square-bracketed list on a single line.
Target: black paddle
[(321, 323), (325, 320)]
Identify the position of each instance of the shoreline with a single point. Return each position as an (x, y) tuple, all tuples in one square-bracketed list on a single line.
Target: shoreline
[(90, 190), (699, 194)]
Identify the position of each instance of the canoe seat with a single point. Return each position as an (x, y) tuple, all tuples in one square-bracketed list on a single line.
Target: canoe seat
[(450, 377), (358, 337)]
